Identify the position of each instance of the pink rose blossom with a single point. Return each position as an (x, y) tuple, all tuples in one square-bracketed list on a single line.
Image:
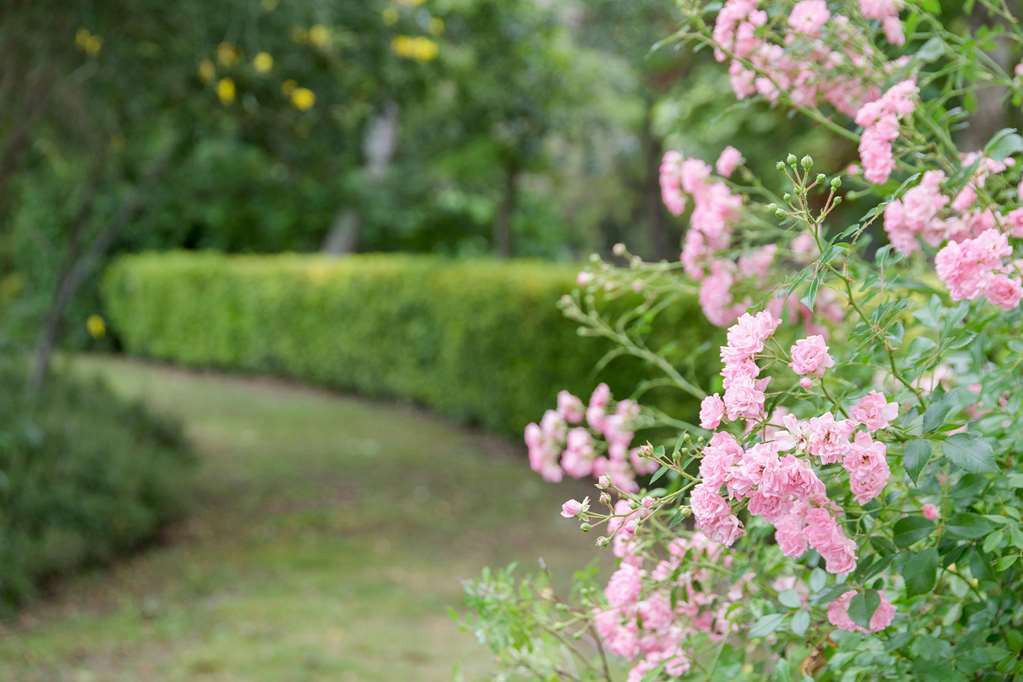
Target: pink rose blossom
[(624, 586), (572, 508), (711, 410), (828, 438), (930, 512), (808, 16), (965, 266), (729, 160), (867, 466), (1004, 292), (570, 407), (810, 356), (874, 411)]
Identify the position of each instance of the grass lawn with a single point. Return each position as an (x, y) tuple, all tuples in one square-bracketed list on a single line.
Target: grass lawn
[(328, 539)]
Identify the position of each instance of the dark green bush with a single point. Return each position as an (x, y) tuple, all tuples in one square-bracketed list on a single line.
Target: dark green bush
[(481, 341), (83, 475)]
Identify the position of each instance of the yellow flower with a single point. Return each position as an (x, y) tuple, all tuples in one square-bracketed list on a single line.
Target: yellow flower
[(96, 327), (319, 35), (303, 99), (415, 47), (227, 54), (390, 16), (225, 91), (206, 71), (87, 42), (288, 87), (436, 26), (263, 62)]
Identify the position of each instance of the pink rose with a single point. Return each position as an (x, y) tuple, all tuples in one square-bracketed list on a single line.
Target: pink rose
[(711, 410), (810, 356), (572, 508)]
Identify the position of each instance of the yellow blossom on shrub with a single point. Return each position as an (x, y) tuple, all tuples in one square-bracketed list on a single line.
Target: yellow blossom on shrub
[(263, 62), (415, 47), (96, 327), (319, 35), (225, 90), (227, 54), (87, 42), (303, 98), (206, 71), (390, 16)]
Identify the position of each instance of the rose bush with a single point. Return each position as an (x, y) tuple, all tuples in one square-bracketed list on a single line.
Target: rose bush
[(848, 504)]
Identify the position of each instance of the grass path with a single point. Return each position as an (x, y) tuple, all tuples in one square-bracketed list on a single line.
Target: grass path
[(327, 541)]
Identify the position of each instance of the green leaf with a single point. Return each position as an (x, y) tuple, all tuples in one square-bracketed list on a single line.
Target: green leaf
[(932, 49), (883, 545), (932, 6), (765, 625), (817, 580), (994, 541), (910, 529), (1005, 562), (970, 453), (862, 607), (660, 472), (800, 622), (919, 571), (935, 414), (790, 599), (968, 526), (916, 456), (1004, 143)]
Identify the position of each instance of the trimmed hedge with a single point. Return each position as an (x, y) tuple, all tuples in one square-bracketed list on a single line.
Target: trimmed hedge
[(83, 476), (481, 341)]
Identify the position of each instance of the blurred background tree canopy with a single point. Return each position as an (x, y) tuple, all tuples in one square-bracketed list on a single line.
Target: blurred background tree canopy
[(460, 127)]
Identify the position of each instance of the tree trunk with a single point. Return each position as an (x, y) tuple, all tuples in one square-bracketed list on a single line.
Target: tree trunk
[(991, 114), (81, 263), (657, 224), (506, 212), (378, 147)]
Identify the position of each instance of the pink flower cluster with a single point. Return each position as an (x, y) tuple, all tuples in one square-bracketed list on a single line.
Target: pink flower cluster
[(918, 213), (887, 12), (975, 267), (838, 614), (783, 488), (729, 160), (715, 212), (570, 440), (715, 208), (880, 120), (874, 411), (803, 66), (650, 614), (744, 392)]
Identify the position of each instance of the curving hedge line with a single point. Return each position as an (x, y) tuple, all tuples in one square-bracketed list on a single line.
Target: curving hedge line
[(481, 341)]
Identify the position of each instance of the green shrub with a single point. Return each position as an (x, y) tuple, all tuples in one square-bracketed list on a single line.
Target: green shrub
[(83, 475), (481, 341)]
